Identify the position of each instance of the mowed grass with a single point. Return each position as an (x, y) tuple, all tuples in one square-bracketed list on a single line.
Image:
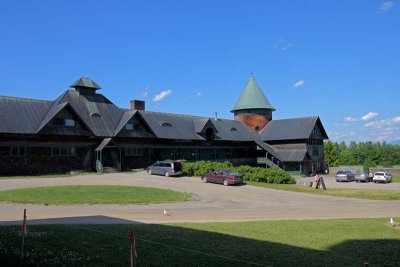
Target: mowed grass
[(341, 242), (92, 194), (396, 178), (338, 192)]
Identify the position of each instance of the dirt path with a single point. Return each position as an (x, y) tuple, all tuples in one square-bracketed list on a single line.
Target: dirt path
[(213, 203)]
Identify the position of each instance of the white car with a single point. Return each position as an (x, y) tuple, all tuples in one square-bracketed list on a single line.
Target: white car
[(382, 177)]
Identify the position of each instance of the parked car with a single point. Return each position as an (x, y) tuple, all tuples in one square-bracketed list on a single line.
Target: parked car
[(166, 168), (225, 177), (344, 176), (382, 177), (362, 177)]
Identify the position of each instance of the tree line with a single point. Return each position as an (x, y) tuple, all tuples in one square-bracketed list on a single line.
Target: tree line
[(368, 154)]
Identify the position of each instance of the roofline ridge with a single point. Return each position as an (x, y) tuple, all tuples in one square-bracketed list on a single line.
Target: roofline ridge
[(305, 117), (24, 98)]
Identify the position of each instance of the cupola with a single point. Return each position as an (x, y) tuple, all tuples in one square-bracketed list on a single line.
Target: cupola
[(86, 86), (253, 107)]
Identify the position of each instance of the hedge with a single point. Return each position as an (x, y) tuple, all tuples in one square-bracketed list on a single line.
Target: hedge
[(256, 174)]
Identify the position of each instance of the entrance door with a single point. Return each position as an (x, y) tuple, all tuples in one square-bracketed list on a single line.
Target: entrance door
[(111, 158)]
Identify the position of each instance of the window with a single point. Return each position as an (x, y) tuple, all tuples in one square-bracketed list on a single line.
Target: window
[(133, 151), (64, 122), (69, 123), (129, 126), (315, 150), (137, 126), (257, 128), (18, 151), (63, 151), (165, 124)]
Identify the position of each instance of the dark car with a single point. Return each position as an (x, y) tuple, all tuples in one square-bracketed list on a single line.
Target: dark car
[(225, 177), (362, 177), (344, 176), (166, 168)]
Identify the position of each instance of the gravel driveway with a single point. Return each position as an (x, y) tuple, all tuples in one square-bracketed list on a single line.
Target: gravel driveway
[(213, 202)]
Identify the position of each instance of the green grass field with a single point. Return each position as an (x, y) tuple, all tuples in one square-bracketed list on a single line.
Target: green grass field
[(353, 193), (396, 178), (92, 194), (342, 242)]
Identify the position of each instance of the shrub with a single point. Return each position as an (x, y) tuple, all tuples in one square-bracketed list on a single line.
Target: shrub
[(199, 168), (255, 174)]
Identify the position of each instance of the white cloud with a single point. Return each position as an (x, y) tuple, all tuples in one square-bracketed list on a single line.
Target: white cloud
[(385, 7), (369, 116), (340, 124), (199, 94), (145, 93), (162, 95), (383, 123), (336, 136), (282, 45), (350, 119), (286, 47), (298, 84)]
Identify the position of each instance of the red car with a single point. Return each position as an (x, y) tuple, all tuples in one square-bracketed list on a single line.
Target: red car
[(225, 177)]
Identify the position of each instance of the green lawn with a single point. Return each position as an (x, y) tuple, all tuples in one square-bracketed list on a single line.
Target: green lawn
[(92, 194), (353, 193), (396, 178), (343, 242)]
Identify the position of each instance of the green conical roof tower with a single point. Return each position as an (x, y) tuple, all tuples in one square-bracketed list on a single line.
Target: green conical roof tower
[(253, 107), (252, 97)]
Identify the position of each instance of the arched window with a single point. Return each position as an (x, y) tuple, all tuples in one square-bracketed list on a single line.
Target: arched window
[(257, 128)]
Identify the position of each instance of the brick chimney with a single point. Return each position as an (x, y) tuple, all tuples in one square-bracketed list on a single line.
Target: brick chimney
[(138, 105)]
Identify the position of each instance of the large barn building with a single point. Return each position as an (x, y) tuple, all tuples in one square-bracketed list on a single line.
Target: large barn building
[(82, 127)]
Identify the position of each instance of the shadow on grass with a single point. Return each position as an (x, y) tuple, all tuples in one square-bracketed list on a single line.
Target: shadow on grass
[(182, 245)]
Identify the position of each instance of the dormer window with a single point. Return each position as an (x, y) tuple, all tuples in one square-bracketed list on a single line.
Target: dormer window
[(64, 122), (69, 123), (95, 114), (233, 129), (165, 124), (210, 134), (129, 126)]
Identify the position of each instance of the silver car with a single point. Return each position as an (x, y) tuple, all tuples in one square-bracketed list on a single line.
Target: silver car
[(166, 168), (344, 176), (362, 177), (382, 177)]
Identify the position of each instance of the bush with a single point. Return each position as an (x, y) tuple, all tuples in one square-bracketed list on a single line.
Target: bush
[(199, 168), (255, 174)]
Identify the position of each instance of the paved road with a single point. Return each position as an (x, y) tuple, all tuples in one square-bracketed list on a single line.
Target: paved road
[(331, 183), (212, 202)]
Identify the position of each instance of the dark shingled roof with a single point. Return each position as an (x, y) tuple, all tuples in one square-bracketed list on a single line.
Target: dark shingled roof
[(101, 118), (21, 115), (96, 111), (170, 126), (174, 126), (290, 129), (296, 155)]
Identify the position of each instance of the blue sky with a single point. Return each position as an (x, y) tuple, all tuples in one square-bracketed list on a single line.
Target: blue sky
[(336, 59)]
